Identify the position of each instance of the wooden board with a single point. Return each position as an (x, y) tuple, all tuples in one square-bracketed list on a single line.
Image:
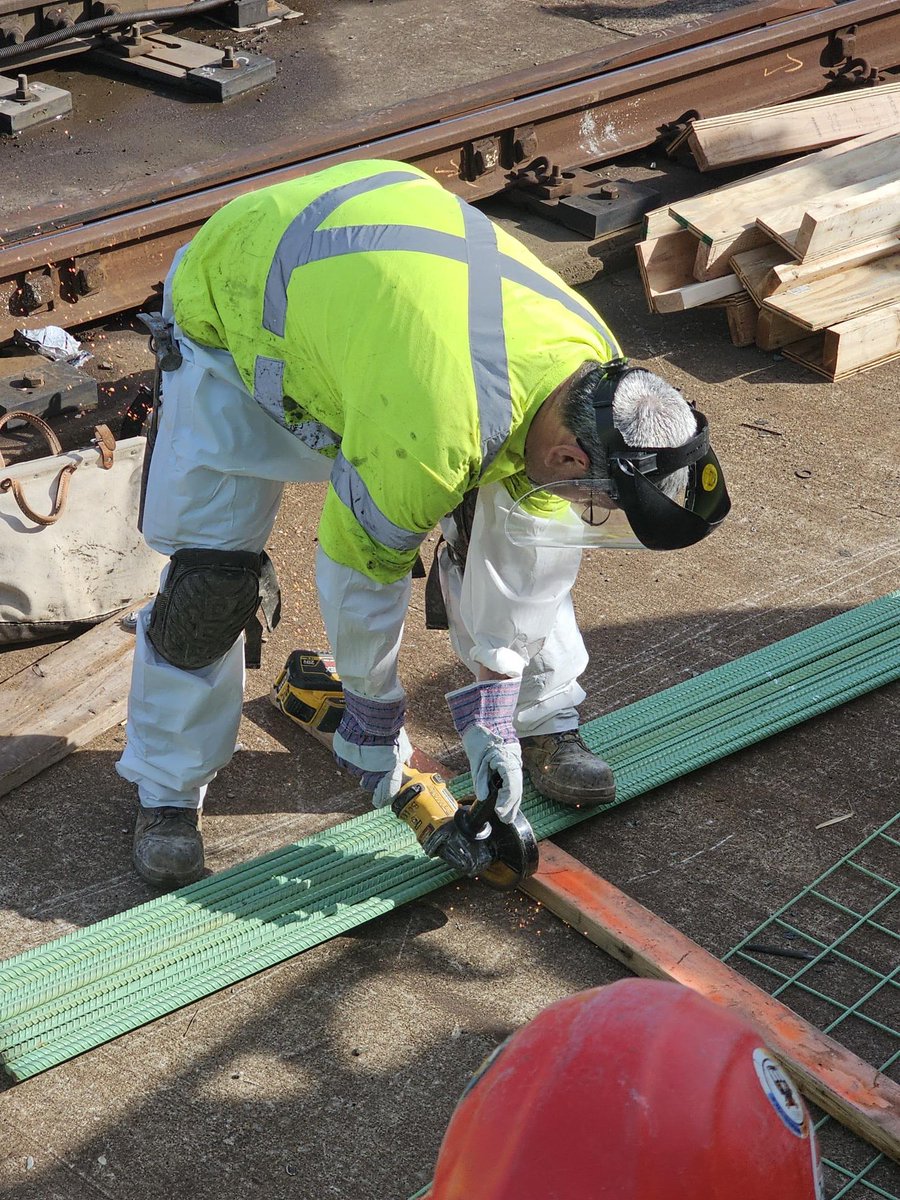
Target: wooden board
[(841, 296), (64, 701), (742, 321), (725, 219), (657, 222), (667, 269), (774, 330), (851, 347), (754, 268), (792, 274), (834, 225), (803, 125), (783, 224), (858, 1095)]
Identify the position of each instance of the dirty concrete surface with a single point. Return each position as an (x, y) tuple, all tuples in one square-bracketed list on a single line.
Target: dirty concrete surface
[(335, 1073)]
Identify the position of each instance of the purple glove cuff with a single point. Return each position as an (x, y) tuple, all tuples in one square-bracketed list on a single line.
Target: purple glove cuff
[(367, 723), (490, 704), (371, 722)]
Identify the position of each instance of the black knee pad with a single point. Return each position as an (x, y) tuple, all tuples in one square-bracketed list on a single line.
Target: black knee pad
[(207, 599)]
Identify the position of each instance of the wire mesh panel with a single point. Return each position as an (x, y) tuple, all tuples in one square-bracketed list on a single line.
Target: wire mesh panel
[(832, 954)]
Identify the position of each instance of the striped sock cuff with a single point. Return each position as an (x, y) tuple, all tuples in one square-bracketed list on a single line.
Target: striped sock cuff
[(372, 722), (490, 704)]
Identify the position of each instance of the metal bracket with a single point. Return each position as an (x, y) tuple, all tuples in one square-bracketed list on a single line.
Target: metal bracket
[(524, 140), (480, 157), (841, 46), (40, 385), (848, 69), (220, 75), (89, 276), (584, 201), (24, 104), (487, 154), (36, 292)]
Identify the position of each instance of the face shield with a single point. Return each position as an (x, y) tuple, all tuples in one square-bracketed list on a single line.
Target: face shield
[(622, 505)]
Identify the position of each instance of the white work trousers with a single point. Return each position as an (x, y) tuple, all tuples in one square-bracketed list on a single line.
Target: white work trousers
[(216, 478)]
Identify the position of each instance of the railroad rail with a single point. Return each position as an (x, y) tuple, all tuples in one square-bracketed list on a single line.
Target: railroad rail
[(68, 268)]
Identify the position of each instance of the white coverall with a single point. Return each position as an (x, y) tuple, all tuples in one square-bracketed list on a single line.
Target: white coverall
[(216, 477)]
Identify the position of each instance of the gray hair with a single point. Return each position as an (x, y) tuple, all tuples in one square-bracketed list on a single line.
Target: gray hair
[(646, 410)]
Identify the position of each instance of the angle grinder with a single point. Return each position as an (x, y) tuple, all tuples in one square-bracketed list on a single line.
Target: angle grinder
[(468, 837)]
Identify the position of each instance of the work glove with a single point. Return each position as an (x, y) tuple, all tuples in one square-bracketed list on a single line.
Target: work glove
[(372, 745), (483, 716)]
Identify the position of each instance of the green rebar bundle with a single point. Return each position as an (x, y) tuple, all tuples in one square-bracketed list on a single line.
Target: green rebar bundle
[(94, 984)]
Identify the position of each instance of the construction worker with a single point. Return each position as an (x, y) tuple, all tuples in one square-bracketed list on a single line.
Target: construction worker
[(640, 1090), (364, 326)]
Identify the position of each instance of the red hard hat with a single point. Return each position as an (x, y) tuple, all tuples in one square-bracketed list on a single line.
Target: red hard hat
[(641, 1090)]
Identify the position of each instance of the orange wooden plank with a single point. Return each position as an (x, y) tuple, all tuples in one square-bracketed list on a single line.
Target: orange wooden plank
[(853, 1092)]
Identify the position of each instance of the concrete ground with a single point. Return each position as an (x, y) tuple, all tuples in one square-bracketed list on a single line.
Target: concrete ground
[(335, 1073), (339, 61)]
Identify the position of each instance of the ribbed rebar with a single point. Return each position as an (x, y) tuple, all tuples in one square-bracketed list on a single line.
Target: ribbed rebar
[(89, 986)]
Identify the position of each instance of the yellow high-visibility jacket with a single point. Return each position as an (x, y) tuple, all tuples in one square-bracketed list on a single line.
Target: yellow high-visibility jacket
[(392, 326)]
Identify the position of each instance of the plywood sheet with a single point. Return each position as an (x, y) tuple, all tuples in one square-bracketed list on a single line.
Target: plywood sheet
[(841, 296)]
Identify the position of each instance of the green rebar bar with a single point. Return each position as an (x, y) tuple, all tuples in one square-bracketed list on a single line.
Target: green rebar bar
[(93, 984)]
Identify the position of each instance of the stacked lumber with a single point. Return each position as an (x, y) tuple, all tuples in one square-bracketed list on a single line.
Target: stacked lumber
[(726, 141), (804, 257)]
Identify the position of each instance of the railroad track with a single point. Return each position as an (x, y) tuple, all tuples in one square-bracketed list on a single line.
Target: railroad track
[(68, 267)]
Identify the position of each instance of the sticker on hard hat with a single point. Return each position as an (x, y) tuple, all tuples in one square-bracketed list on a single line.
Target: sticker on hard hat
[(709, 478), (781, 1093)]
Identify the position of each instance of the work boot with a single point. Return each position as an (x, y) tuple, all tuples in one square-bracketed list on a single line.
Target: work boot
[(168, 845), (562, 768)]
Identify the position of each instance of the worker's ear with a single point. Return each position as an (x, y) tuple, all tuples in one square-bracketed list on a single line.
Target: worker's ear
[(566, 460)]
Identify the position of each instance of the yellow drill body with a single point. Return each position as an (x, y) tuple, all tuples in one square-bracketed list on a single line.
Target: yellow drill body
[(425, 803)]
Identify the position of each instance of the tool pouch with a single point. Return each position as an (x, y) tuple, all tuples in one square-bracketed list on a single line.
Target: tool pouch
[(164, 347), (70, 551), (458, 549)]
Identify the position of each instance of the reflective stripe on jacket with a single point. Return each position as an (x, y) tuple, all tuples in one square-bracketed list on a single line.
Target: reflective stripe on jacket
[(393, 327)]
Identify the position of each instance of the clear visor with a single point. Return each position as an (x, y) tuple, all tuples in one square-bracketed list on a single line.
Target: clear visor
[(572, 516)]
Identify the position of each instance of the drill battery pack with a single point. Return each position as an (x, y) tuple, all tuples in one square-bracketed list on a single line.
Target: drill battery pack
[(310, 692)]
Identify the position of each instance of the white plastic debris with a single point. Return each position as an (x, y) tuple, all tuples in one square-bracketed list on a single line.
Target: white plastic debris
[(54, 343)]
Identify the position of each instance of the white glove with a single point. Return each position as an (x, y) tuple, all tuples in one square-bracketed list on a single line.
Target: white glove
[(391, 781), (487, 754), (371, 744), (482, 714)]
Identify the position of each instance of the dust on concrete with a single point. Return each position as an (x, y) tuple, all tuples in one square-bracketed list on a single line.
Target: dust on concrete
[(335, 1073), (306, 1079)]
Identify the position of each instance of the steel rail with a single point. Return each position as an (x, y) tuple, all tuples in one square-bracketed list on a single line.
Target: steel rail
[(440, 107), (102, 264)]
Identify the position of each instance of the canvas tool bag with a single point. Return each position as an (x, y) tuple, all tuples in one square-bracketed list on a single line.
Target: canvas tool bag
[(70, 550)]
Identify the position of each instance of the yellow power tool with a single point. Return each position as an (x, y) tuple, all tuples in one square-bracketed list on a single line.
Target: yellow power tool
[(468, 837)]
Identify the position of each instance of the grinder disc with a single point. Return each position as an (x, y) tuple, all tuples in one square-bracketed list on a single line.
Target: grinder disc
[(514, 849)]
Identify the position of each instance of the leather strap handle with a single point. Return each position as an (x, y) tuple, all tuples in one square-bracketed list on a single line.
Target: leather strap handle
[(40, 425), (62, 480)]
